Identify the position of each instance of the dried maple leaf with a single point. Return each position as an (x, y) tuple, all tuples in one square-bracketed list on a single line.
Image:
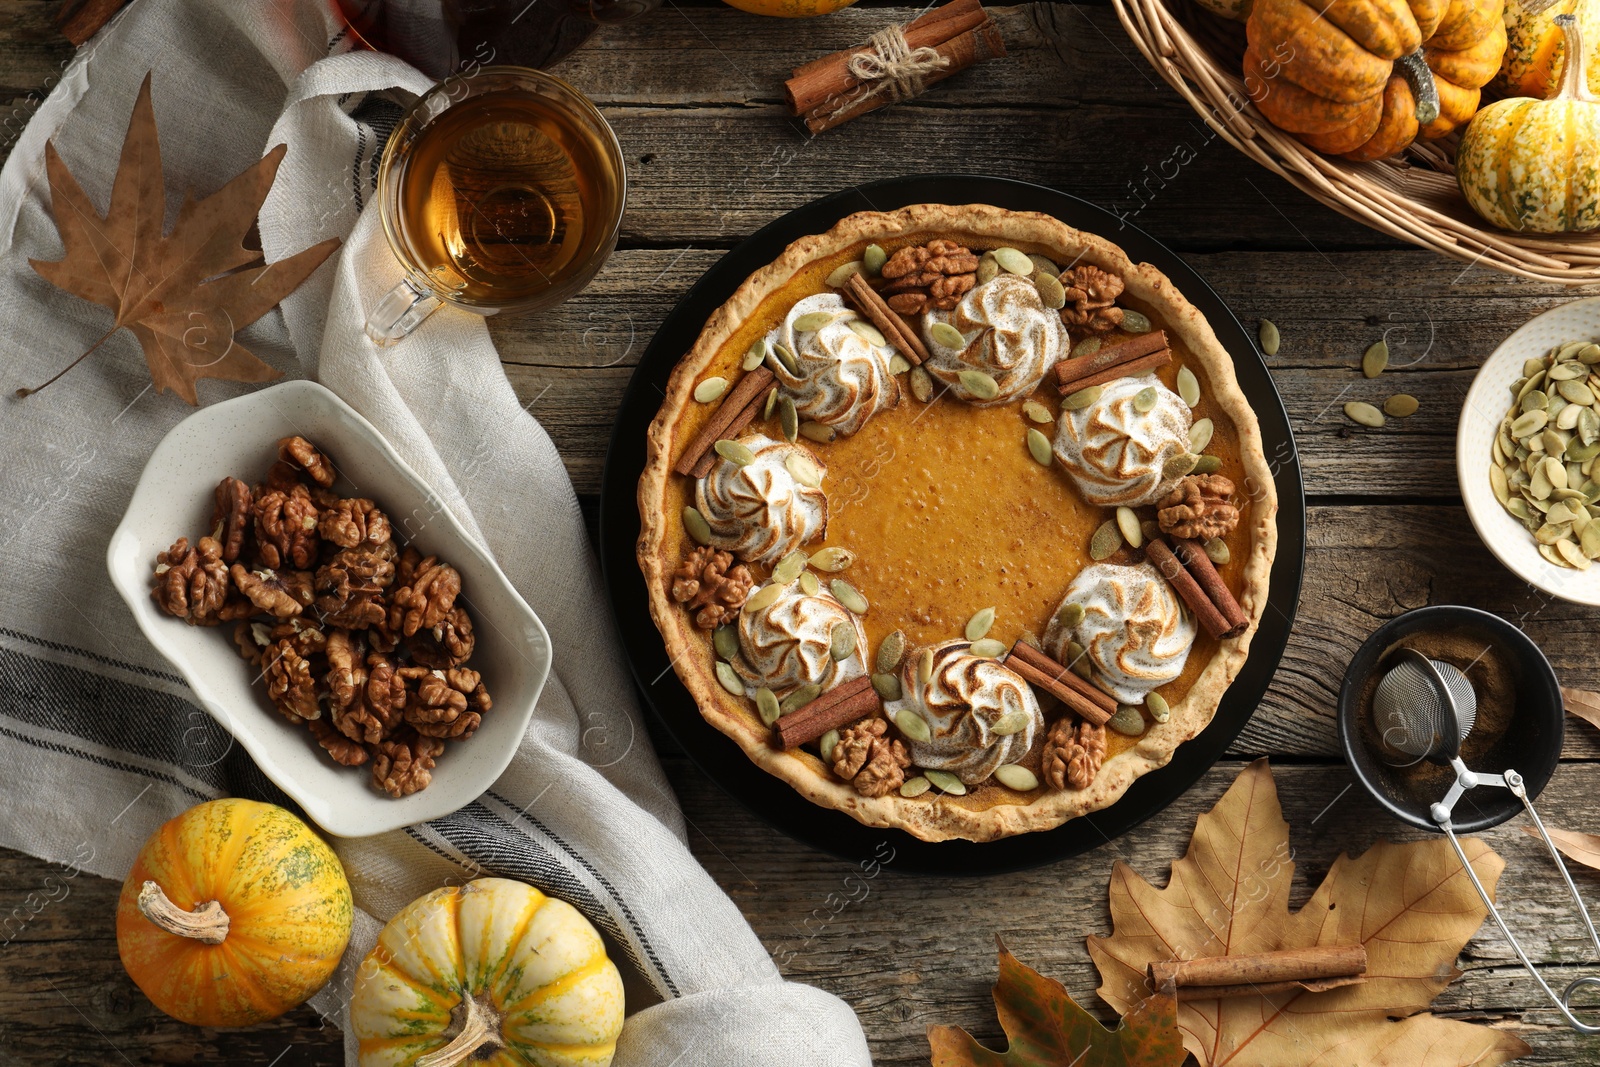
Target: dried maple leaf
[(182, 295), (1411, 905), (1045, 1026), (1575, 845)]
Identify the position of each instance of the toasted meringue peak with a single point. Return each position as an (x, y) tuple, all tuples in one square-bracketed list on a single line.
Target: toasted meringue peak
[(962, 702), (760, 512), (844, 377), (1135, 631), (1118, 455), (1010, 336), (789, 643)]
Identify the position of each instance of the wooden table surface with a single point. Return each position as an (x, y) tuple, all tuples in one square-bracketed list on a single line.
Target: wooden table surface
[(694, 94)]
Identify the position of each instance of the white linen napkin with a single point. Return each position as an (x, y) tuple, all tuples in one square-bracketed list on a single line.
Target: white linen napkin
[(100, 741)]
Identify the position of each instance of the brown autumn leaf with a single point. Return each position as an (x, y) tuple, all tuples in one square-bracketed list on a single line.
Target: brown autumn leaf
[(183, 295), (1411, 905), (1577, 846), (1047, 1028), (1582, 703)]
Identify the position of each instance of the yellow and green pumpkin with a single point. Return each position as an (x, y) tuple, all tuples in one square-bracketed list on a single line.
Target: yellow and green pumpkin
[(1365, 78), (493, 972), (1536, 49), (1534, 165), (234, 912)]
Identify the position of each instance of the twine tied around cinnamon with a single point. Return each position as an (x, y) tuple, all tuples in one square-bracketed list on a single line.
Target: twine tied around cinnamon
[(891, 66)]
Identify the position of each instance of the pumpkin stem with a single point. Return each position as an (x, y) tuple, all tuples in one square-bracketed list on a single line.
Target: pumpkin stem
[(207, 923), (1423, 88), (480, 1027), (1574, 81)]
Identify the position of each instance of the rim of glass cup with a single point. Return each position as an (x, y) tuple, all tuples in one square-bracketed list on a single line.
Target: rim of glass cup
[(416, 117)]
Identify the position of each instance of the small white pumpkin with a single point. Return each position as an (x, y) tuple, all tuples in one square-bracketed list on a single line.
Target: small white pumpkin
[(493, 972)]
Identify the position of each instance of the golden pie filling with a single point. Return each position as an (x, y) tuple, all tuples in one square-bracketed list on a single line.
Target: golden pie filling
[(969, 506)]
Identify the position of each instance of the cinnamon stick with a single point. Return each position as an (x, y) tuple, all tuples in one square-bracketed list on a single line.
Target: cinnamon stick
[(811, 85), (750, 390), (899, 333), (1211, 618), (1192, 554), (839, 706), (1032, 656), (1313, 969), (1136, 356)]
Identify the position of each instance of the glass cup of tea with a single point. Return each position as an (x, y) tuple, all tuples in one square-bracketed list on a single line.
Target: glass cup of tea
[(501, 190)]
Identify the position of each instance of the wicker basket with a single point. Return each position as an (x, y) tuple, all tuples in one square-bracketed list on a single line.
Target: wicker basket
[(1413, 196)]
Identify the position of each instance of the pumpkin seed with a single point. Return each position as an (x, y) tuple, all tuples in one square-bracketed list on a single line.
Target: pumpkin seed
[(1555, 473), (1364, 413), (734, 452), (1082, 398), (1573, 555), (786, 358), (1568, 419), (799, 698), (825, 744), (848, 595), (813, 321), (1530, 385), (873, 259), (710, 389), (979, 624), (767, 708), (1039, 447), (921, 384), (1106, 540), (1017, 777), (1037, 412), (1551, 555), (1031, 639), (843, 273), (1200, 435), (1086, 347), (1188, 386), (1069, 616), (1077, 660), (1144, 399), (868, 332), (816, 431), (1127, 721), (842, 641), (789, 567), (1178, 466), (1157, 705), (1576, 393), (898, 364), (1536, 400), (788, 419), (987, 269), (1530, 367), (890, 652), (763, 597), (1401, 406), (1052, 294), (1268, 334), (1539, 487), (913, 726), (925, 666), (1583, 453), (1128, 525), (803, 470), (1217, 551), (725, 639), (1588, 426), (1589, 353), (1135, 321), (1555, 442), (1013, 262), (696, 526), (887, 686), (729, 679), (1550, 532), (988, 648), (915, 787), (1566, 372), (1208, 465), (832, 559), (1519, 508), (1152, 529), (979, 384), (810, 585), (1010, 723), (947, 336), (946, 781), (757, 354), (1375, 359), (1589, 540), (1043, 264)]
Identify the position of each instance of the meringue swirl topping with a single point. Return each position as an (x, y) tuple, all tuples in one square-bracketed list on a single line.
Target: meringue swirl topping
[(759, 511), (844, 377), (1010, 336), (1135, 631), (789, 642), (1116, 454), (981, 714)]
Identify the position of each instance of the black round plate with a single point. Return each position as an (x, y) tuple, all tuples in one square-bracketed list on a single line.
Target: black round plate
[(771, 798)]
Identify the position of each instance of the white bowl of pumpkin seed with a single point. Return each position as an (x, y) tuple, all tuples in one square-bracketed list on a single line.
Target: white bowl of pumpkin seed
[(1528, 452)]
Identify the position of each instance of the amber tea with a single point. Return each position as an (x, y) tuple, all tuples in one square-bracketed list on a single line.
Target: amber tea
[(503, 197)]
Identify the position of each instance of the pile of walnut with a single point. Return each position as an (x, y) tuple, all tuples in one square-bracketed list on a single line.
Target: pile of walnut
[(336, 616)]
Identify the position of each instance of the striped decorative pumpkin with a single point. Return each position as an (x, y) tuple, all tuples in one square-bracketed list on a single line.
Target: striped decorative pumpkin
[(1534, 165), (234, 913), (493, 972), (1536, 49)]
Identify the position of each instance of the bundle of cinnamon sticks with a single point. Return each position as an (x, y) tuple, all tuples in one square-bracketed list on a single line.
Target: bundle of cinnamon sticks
[(827, 92)]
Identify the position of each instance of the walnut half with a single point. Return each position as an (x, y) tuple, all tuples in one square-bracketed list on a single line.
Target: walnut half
[(711, 585), (870, 760), (1073, 752), (1199, 508)]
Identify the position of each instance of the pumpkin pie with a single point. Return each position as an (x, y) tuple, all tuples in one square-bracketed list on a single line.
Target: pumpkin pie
[(956, 520)]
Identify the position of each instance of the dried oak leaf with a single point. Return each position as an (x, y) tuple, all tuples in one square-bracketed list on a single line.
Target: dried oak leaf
[(1047, 1028), (1411, 905), (183, 295)]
